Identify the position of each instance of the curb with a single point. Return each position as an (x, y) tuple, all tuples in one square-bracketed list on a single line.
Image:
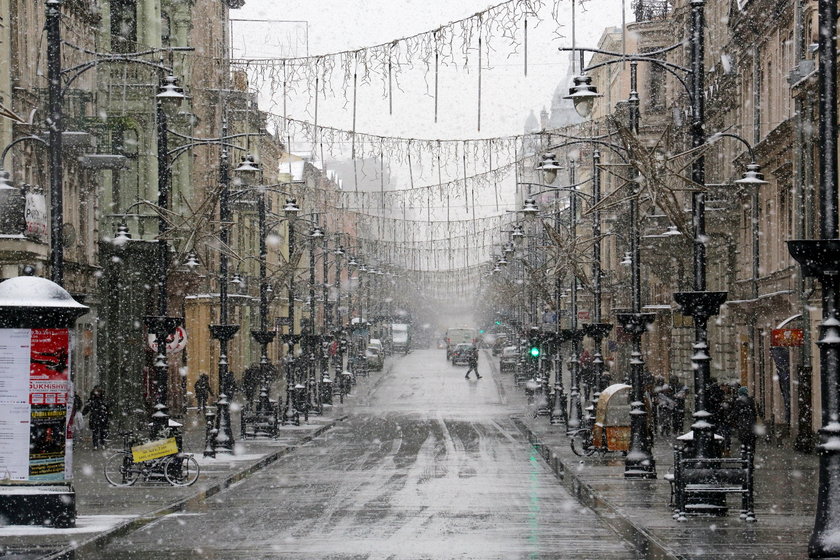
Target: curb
[(100, 540), (648, 545)]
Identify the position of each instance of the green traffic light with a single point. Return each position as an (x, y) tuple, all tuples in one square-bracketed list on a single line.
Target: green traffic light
[(498, 322), (481, 331), (535, 351)]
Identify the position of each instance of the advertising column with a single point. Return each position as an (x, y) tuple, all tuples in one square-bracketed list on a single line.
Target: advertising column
[(35, 400)]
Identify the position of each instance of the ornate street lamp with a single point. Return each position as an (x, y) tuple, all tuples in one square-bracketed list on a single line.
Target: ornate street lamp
[(549, 166), (168, 101), (583, 94), (530, 208)]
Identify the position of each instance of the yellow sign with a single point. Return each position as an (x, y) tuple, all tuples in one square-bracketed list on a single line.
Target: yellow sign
[(154, 450)]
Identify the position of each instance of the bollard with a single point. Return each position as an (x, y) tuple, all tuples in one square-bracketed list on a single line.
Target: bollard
[(209, 432), (326, 390), (36, 316)]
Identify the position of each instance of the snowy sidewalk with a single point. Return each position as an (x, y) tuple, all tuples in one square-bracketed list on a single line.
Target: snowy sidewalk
[(104, 511), (785, 497)]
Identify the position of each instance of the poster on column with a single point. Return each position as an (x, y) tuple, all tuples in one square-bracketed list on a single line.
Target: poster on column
[(34, 386)]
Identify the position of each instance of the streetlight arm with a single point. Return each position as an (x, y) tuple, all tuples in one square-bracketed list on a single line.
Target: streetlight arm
[(80, 69), (664, 64), (615, 148), (218, 140), (19, 140), (568, 188), (718, 135), (178, 151)]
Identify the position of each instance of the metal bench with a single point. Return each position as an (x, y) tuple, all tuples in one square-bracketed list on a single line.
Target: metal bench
[(260, 423), (698, 477)]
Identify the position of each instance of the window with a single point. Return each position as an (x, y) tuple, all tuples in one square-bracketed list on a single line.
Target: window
[(656, 86), (123, 25)]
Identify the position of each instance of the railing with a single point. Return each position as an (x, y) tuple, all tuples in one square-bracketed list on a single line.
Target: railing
[(649, 10)]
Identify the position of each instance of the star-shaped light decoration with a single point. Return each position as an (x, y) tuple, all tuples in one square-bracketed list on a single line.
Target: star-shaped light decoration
[(570, 254), (657, 174)]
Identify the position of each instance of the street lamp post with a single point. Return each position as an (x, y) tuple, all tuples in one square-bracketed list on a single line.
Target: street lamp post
[(575, 409), (223, 331), (248, 170), (313, 388), (819, 258), (326, 383), (597, 330), (290, 412), (55, 122), (56, 125), (639, 461), (167, 101)]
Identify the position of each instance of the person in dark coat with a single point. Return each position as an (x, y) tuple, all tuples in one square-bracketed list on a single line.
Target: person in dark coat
[(251, 381), (99, 415), (472, 361), (202, 391), (714, 402), (679, 408), (744, 416)]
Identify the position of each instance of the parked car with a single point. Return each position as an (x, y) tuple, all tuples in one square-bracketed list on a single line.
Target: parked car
[(461, 353), (508, 359), (374, 358)]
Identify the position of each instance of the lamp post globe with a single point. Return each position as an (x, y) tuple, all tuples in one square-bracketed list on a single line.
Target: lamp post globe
[(549, 166), (191, 261), (170, 96), (583, 95), (247, 169), (530, 208), (291, 209), (753, 177)]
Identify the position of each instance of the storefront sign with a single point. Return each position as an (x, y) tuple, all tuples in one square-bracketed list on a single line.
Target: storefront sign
[(36, 215), (175, 342), (786, 337)]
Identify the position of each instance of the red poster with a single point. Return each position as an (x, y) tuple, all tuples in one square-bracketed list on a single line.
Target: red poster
[(48, 366), (49, 359), (786, 337), (49, 386)]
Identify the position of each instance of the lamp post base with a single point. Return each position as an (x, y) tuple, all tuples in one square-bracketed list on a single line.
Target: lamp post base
[(224, 433)]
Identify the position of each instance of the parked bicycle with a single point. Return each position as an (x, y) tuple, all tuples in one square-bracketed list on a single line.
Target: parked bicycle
[(582, 445), (178, 469)]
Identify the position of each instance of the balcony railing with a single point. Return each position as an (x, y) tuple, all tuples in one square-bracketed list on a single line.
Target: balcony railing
[(650, 10)]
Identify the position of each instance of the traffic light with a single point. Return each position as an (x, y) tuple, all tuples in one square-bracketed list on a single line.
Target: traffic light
[(498, 322), (481, 331), (534, 351)]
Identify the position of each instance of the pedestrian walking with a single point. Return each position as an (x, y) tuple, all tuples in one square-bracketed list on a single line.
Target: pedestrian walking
[(472, 361), (714, 402), (744, 417), (202, 391), (725, 420), (678, 423), (665, 404), (587, 374), (230, 386), (251, 381), (99, 414)]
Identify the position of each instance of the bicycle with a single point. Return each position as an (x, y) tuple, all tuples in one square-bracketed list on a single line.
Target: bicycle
[(581, 443), (179, 469)]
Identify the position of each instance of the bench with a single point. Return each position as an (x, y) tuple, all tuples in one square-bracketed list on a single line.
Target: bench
[(260, 423), (695, 478)]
